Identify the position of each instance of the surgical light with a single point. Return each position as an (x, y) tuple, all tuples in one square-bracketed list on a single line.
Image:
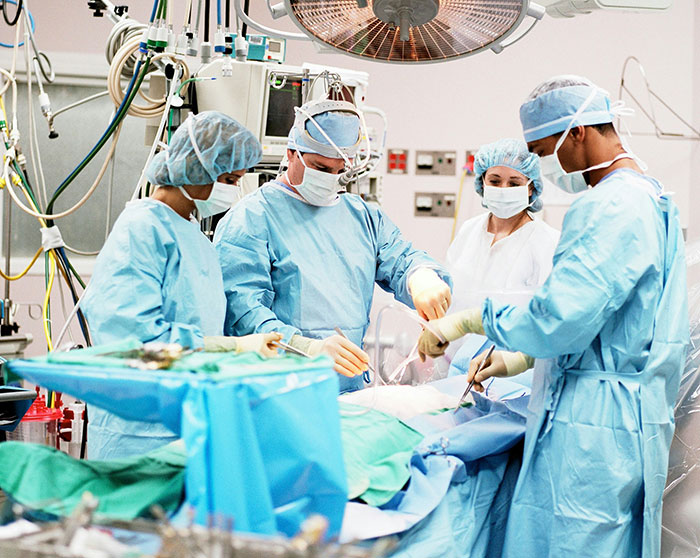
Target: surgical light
[(411, 31)]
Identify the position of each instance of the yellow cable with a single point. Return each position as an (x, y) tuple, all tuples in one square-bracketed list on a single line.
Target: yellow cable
[(15, 277), (45, 315), (459, 204)]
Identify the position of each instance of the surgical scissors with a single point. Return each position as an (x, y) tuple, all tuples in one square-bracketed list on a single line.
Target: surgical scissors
[(471, 383), (365, 375)]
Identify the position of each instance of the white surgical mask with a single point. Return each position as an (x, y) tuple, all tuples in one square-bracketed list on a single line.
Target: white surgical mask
[(221, 198), (572, 182), (507, 202), (317, 187)]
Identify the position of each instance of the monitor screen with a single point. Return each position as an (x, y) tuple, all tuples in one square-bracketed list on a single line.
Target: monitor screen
[(280, 107)]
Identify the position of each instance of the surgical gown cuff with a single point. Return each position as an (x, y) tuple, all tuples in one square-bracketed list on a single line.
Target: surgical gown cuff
[(185, 335), (460, 324), (306, 344)]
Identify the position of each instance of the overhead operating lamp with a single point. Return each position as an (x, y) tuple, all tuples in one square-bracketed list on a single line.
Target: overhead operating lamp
[(405, 31), (411, 31)]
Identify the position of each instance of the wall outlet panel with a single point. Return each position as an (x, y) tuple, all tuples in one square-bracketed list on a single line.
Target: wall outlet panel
[(440, 163), (435, 204)]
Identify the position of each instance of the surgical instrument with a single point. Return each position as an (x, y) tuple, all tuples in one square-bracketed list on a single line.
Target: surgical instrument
[(289, 349), (471, 383)]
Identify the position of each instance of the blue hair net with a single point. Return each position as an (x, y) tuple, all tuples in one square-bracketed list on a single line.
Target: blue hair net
[(338, 119), (204, 147), (551, 106), (511, 153)]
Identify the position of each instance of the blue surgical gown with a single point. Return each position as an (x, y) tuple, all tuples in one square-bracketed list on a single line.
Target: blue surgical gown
[(300, 269), (614, 314), (157, 278)]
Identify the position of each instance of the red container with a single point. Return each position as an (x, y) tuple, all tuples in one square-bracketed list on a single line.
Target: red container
[(39, 425)]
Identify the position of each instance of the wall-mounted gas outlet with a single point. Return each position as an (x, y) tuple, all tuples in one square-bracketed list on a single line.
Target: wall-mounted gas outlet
[(436, 162), (435, 204)]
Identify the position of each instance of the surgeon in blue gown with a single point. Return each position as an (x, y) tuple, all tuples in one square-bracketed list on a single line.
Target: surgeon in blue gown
[(311, 256), (614, 314), (157, 277)]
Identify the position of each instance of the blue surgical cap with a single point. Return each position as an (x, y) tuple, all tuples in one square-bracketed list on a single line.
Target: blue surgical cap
[(511, 153), (224, 146), (551, 106), (338, 119)]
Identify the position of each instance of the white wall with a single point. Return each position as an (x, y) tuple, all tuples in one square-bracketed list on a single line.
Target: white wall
[(462, 104)]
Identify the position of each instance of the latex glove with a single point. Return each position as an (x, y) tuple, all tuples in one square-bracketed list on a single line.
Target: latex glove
[(500, 364), (431, 295), (349, 359), (451, 327), (258, 342)]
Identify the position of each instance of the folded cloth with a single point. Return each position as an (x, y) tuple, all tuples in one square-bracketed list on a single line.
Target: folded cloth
[(43, 478)]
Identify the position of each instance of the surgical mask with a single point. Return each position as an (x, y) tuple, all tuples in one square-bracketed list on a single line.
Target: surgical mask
[(221, 198), (506, 202), (317, 187), (572, 182)]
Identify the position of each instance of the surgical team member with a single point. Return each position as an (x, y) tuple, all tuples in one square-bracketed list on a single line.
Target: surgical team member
[(614, 314), (505, 251), (310, 257), (157, 277)]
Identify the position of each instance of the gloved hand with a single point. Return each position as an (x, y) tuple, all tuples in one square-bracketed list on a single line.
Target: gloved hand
[(258, 342), (349, 359), (431, 295), (451, 327), (500, 364)]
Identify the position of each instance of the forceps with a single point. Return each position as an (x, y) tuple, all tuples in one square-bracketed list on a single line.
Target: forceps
[(471, 384), (289, 349)]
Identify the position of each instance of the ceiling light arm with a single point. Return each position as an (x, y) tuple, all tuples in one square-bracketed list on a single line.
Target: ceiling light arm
[(536, 12), (267, 30)]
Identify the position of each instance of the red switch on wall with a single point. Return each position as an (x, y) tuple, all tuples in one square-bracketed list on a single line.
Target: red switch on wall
[(469, 164), (397, 160)]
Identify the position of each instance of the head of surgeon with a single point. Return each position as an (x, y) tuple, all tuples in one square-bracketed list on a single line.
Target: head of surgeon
[(322, 144), (508, 178), (207, 156), (568, 122)]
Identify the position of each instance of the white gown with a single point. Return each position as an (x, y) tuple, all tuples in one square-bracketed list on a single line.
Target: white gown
[(509, 271)]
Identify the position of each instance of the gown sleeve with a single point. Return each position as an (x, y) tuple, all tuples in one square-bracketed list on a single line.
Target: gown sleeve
[(397, 259), (609, 243), (127, 286), (245, 264)]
